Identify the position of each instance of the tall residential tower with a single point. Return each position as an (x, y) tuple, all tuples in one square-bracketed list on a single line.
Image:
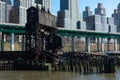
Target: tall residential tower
[(87, 13), (69, 16), (18, 12), (47, 4), (99, 22), (116, 16), (100, 10), (5, 7)]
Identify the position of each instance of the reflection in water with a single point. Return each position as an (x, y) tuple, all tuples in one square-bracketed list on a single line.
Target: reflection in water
[(38, 75)]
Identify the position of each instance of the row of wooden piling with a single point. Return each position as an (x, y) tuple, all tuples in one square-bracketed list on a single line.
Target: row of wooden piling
[(85, 63), (6, 65), (23, 65)]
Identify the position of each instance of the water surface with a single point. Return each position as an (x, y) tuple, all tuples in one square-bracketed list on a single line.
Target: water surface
[(45, 75)]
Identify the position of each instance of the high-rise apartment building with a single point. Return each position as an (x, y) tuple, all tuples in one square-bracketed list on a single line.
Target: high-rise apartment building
[(46, 4), (2, 11), (99, 22), (100, 10), (116, 16), (69, 16), (8, 6), (5, 7), (87, 13), (18, 12), (8, 2)]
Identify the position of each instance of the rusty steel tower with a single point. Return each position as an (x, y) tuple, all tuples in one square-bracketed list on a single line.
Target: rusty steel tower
[(41, 32), (33, 30)]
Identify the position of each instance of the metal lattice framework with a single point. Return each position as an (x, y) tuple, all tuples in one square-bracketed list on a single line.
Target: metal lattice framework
[(33, 38)]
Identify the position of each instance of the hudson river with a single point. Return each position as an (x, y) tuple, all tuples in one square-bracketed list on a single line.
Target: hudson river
[(39, 75)]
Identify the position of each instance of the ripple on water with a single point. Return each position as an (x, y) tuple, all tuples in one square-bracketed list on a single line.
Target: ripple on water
[(38, 75)]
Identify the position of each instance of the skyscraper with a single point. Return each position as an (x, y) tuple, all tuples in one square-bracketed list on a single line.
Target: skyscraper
[(100, 10), (69, 16), (47, 4), (72, 6), (2, 11), (18, 12), (116, 16), (8, 2), (8, 6), (87, 13), (5, 7), (99, 22)]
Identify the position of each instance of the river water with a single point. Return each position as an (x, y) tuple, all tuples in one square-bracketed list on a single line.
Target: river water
[(52, 75)]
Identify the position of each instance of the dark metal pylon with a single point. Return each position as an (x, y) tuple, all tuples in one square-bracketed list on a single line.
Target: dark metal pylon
[(33, 31), (33, 38)]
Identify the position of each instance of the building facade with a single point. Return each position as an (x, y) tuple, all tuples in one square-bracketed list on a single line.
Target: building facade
[(8, 2), (46, 4), (2, 11), (18, 12), (5, 7), (7, 10), (116, 16), (87, 13), (100, 10), (99, 22), (69, 16)]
